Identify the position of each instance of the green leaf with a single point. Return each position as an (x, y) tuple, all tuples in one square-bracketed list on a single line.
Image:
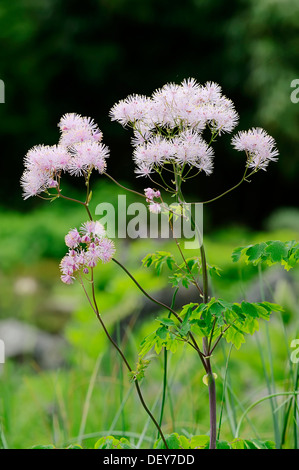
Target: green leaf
[(193, 263), (189, 307), (110, 442), (238, 310), (173, 442), (184, 329), (237, 253), (185, 282), (158, 259), (276, 251), (269, 444), (214, 271), (184, 443), (162, 332), (158, 345), (172, 345), (232, 335), (251, 325), (200, 442), (166, 321), (216, 309), (249, 309), (257, 444), (222, 445), (147, 343), (147, 261), (271, 252), (237, 443), (197, 328), (255, 252), (104, 443), (185, 326), (125, 444), (271, 306)]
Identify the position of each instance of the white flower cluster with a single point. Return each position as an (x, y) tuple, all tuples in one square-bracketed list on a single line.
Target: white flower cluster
[(168, 126), (78, 152)]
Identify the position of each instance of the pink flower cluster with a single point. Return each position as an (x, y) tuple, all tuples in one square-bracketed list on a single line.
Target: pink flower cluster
[(259, 146), (78, 152), (86, 248), (150, 194), (168, 126)]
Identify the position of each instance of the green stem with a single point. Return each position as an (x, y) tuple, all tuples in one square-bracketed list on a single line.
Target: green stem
[(165, 366), (121, 378), (161, 304), (78, 202), (96, 310), (229, 190), (123, 187), (206, 346), (94, 307), (295, 415)]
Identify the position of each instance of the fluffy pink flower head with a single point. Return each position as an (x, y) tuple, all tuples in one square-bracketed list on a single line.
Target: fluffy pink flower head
[(168, 126), (143, 169), (191, 149), (75, 128), (43, 164), (131, 110), (93, 229), (86, 248), (151, 193), (156, 151), (259, 146), (87, 156), (155, 207), (73, 238), (79, 152), (106, 249)]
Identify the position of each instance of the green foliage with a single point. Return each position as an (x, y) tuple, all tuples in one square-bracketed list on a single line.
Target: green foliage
[(218, 318), (158, 260), (270, 252), (110, 442), (174, 441), (138, 374), (51, 446), (180, 274), (259, 72), (106, 442)]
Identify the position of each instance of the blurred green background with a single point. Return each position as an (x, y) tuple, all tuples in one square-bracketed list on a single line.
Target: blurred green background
[(58, 57), (73, 56)]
